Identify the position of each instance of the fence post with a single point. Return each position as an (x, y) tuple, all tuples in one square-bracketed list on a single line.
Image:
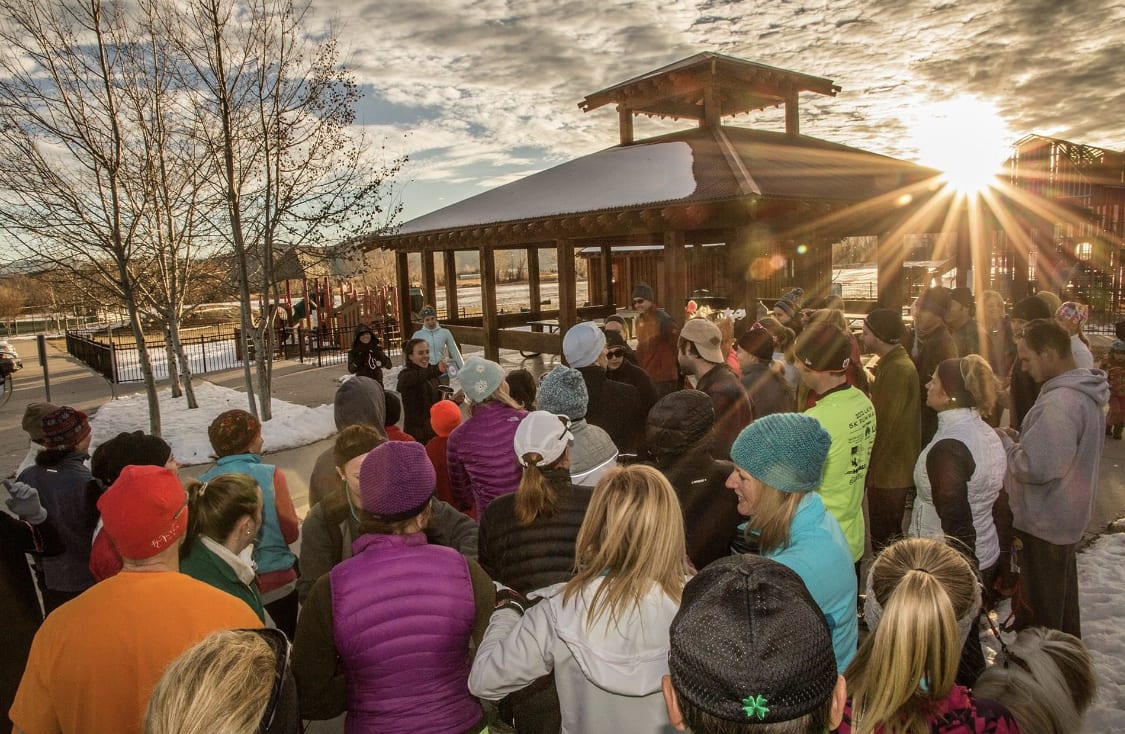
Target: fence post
[(203, 346)]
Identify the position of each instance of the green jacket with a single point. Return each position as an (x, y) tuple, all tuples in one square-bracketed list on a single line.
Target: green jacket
[(202, 564), (895, 395), (849, 418)]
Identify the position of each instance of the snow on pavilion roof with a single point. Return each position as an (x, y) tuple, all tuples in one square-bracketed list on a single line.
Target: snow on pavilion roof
[(683, 168)]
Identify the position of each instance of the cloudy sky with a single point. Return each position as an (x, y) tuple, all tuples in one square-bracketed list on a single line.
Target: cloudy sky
[(482, 93)]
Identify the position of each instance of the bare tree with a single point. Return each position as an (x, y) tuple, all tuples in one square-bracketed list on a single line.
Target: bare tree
[(277, 114), (66, 193), (12, 299)]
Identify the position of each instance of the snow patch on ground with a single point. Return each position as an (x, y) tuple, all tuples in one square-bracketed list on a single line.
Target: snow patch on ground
[(1101, 581), (186, 430)]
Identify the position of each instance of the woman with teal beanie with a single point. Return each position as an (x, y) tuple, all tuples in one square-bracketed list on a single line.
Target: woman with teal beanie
[(778, 462)]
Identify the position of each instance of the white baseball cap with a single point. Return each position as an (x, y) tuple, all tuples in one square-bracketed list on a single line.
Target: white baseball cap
[(543, 433)]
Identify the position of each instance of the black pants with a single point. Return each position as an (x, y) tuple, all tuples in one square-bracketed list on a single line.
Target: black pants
[(1048, 586), (283, 611), (886, 508)]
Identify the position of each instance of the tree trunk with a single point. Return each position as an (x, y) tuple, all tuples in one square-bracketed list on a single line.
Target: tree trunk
[(264, 363), (142, 356), (170, 355), (185, 365)]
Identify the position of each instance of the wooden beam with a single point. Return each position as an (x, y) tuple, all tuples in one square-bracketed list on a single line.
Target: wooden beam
[(625, 121), (890, 253), (488, 303), (792, 115), (429, 279), (402, 276), (450, 262), (533, 289), (712, 106), (568, 304), (675, 274), (607, 275)]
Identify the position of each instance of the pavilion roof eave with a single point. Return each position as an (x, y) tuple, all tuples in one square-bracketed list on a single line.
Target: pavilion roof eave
[(607, 223)]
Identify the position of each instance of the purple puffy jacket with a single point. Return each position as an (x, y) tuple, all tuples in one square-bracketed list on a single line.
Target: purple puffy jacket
[(482, 458)]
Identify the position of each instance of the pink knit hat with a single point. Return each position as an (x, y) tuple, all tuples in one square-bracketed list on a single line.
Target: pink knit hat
[(396, 480)]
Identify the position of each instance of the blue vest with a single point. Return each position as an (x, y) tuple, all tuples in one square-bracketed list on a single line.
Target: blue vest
[(271, 552)]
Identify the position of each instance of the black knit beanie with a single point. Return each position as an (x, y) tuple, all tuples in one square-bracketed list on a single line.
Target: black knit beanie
[(125, 449), (749, 644)]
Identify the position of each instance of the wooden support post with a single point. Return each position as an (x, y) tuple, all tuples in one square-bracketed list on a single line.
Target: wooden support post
[(450, 258), (712, 109), (625, 119), (429, 279), (535, 294), (890, 285), (607, 273), (488, 304), (568, 297), (792, 115), (402, 276), (963, 255), (675, 275)]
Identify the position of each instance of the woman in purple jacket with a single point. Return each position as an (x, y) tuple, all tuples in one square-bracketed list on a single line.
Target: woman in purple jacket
[(386, 634), (482, 462)]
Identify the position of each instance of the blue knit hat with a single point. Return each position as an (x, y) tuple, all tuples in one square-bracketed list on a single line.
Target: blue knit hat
[(787, 451), (563, 392), (480, 378)]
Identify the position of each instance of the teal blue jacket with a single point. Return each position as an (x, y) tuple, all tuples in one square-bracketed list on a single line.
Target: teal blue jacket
[(271, 552), (204, 565), (819, 554)]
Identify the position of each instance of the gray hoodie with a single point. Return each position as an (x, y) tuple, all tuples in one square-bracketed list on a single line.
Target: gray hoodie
[(359, 400), (1053, 468)]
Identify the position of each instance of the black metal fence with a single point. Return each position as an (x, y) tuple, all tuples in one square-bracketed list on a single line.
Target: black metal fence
[(221, 349)]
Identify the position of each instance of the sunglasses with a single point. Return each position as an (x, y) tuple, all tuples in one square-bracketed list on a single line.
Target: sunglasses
[(615, 353), (281, 648), (638, 300)]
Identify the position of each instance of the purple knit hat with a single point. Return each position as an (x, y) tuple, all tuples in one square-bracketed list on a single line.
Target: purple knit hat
[(396, 481)]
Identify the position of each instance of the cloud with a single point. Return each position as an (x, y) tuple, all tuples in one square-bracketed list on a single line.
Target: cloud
[(473, 81)]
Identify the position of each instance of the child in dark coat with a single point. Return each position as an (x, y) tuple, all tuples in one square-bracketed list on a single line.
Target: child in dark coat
[(366, 358)]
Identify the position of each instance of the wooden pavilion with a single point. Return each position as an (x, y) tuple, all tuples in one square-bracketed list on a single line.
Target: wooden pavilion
[(741, 212)]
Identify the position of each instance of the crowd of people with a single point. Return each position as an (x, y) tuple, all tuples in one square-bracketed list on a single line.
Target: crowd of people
[(665, 533)]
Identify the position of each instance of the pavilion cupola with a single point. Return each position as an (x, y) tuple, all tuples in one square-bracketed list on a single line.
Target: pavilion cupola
[(707, 87)]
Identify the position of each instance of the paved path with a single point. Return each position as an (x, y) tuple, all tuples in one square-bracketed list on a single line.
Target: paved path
[(75, 384)]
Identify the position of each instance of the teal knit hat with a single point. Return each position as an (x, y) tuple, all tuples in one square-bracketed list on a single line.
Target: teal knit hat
[(787, 451)]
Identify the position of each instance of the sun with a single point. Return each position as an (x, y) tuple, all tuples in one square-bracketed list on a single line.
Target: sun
[(963, 137)]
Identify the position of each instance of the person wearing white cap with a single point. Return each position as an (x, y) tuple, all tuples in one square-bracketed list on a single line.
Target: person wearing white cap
[(527, 539), (613, 406)]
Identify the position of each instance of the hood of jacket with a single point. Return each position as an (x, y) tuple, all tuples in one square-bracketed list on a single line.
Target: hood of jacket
[(360, 331), (360, 400), (1091, 383), (628, 657), (679, 423)]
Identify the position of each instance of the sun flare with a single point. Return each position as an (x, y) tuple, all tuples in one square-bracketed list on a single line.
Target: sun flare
[(963, 137)]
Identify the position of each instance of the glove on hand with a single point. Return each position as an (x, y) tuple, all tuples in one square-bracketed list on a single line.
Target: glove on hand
[(25, 502)]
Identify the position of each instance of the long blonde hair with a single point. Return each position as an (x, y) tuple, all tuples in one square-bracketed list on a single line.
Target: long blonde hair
[(223, 684), (1045, 678), (536, 496), (633, 538), (773, 516), (910, 659)]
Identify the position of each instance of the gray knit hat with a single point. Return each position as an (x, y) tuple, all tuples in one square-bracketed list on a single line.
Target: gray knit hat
[(582, 344), (563, 392), (786, 451), (750, 645)]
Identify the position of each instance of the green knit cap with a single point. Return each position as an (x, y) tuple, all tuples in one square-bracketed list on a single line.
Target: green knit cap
[(787, 451)]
